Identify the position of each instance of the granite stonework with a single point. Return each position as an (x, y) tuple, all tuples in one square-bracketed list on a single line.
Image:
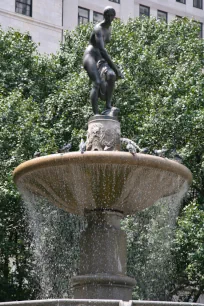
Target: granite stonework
[(115, 181), (103, 259), (94, 302)]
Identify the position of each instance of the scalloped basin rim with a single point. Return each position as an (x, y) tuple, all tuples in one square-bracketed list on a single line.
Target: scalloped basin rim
[(101, 158)]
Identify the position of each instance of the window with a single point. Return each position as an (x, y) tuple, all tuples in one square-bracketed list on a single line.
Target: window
[(162, 15), (116, 1), (97, 17), (83, 15), (181, 1), (24, 7), (144, 11), (198, 4)]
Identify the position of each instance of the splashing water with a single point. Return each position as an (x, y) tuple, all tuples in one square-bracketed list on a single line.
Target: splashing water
[(118, 182), (150, 236), (56, 247)]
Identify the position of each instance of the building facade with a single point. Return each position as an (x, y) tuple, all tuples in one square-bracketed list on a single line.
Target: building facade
[(41, 18), (46, 20)]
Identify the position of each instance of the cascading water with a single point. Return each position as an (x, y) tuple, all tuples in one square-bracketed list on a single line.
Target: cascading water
[(83, 183), (55, 232), (152, 261), (104, 187), (55, 239)]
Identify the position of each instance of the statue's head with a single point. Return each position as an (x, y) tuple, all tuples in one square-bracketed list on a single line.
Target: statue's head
[(109, 13)]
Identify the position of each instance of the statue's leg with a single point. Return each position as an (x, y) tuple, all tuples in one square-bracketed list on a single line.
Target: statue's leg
[(94, 96), (93, 73), (111, 78)]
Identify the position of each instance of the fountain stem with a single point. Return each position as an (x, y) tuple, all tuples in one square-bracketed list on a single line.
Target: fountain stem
[(103, 259)]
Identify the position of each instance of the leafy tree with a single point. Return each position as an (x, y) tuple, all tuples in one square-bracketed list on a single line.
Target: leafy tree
[(17, 279), (188, 250), (24, 86)]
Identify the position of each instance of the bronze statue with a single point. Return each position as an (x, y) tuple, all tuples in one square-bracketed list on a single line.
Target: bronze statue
[(99, 66)]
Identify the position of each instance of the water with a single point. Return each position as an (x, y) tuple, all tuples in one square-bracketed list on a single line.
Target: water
[(56, 247), (126, 187), (75, 186), (150, 236)]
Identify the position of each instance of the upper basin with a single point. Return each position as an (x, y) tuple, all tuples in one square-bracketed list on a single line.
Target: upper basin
[(101, 180)]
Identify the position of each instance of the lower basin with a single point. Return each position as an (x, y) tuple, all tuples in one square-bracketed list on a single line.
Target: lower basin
[(82, 302), (94, 180)]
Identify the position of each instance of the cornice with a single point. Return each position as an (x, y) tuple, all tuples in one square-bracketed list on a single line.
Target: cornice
[(30, 20)]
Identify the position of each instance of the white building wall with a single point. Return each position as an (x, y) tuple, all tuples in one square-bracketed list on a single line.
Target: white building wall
[(50, 17), (70, 14), (99, 5), (130, 9), (127, 9), (70, 11), (172, 7), (8, 5), (45, 25), (49, 11)]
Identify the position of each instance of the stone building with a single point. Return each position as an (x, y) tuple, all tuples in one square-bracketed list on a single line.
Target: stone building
[(41, 18), (45, 20)]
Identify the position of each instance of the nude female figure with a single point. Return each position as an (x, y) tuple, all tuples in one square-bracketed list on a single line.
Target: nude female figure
[(98, 64)]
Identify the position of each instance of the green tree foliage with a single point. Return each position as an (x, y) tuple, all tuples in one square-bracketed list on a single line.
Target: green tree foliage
[(44, 103), (189, 250), (27, 82), (150, 260)]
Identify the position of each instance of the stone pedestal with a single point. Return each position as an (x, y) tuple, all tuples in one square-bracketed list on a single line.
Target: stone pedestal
[(103, 259), (103, 134)]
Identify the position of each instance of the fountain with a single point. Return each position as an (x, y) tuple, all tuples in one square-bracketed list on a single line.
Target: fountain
[(103, 184)]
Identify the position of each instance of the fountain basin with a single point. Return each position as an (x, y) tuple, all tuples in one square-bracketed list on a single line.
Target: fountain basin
[(103, 186), (115, 181), (83, 302)]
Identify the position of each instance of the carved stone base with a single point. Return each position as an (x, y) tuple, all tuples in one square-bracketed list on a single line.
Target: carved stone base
[(103, 134)]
